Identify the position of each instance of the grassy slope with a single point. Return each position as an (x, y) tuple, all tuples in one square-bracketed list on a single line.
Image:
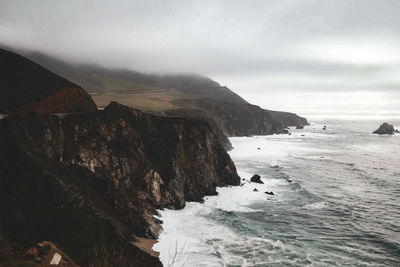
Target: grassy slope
[(150, 101)]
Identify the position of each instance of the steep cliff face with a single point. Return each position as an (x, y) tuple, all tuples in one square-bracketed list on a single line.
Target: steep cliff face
[(103, 174), (234, 119), (27, 87), (288, 119)]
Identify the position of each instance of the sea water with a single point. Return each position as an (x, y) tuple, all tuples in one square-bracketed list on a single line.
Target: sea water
[(336, 202)]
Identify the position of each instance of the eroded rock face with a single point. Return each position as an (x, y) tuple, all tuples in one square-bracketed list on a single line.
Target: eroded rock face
[(234, 119), (385, 128), (120, 163)]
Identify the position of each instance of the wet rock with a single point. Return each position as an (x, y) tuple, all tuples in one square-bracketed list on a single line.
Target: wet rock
[(256, 179), (269, 193), (255, 190), (299, 127), (324, 128), (385, 129)]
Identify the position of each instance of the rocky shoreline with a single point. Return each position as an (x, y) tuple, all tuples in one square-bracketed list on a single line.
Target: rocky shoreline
[(96, 162), (86, 184)]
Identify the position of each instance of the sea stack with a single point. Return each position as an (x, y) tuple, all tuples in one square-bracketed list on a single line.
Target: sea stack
[(256, 179), (385, 128)]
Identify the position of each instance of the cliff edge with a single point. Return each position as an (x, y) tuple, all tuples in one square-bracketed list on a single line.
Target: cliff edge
[(92, 182)]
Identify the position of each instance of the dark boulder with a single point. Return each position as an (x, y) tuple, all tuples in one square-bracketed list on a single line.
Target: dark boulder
[(385, 129), (269, 193), (256, 179), (299, 127), (255, 190)]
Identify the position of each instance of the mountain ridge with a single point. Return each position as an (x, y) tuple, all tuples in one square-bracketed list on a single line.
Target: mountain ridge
[(28, 87), (176, 95)]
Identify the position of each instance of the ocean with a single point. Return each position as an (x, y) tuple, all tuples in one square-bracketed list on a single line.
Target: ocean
[(336, 202)]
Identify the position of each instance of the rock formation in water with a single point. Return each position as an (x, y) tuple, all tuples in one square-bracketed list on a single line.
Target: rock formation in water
[(28, 87), (91, 182), (256, 179), (385, 128)]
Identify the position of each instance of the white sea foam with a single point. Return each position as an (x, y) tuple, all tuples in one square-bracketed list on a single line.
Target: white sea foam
[(316, 206)]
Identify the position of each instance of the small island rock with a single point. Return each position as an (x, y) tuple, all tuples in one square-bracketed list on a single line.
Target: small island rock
[(256, 179), (385, 129)]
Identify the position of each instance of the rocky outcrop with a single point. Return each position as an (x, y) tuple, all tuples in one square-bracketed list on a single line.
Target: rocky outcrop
[(256, 179), (96, 179), (385, 128), (28, 87), (288, 119)]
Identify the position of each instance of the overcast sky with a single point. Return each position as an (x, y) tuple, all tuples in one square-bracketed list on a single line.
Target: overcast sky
[(296, 55)]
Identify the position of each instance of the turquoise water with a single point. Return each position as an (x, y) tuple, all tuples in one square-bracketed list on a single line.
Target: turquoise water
[(336, 203)]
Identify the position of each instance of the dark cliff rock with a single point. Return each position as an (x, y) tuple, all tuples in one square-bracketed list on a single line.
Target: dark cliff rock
[(256, 179), (28, 87), (288, 119), (234, 119), (97, 178), (385, 128)]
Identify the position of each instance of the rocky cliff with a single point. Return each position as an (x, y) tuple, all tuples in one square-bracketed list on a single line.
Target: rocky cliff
[(142, 90), (234, 119), (91, 182), (287, 118), (28, 87)]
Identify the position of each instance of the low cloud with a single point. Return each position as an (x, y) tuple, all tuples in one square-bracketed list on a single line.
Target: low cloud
[(256, 47)]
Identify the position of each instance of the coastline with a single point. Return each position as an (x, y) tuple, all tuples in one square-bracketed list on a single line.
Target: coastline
[(240, 226)]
